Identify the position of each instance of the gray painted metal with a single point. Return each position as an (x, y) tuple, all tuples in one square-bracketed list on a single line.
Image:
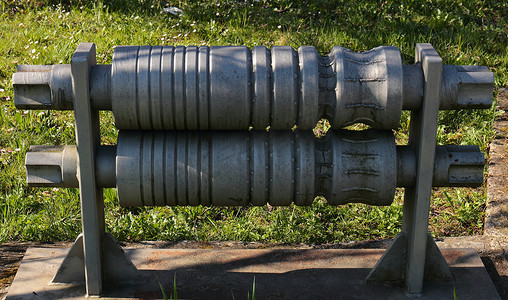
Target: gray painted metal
[(364, 167), (422, 136), (242, 168), (190, 88), (390, 267), (368, 87), (43, 87), (178, 168), (117, 267), (454, 166), (87, 140), (234, 87), (52, 166)]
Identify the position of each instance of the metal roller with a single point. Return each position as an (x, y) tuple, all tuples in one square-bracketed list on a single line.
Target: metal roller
[(174, 106), (242, 168), (234, 87), (257, 167), (218, 87), (214, 168)]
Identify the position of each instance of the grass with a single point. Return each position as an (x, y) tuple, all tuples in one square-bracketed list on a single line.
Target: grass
[(47, 32)]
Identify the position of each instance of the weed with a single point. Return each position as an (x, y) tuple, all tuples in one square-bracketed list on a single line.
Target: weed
[(174, 295), (249, 296), (164, 296)]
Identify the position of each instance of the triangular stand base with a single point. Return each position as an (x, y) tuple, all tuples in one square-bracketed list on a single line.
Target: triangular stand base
[(117, 266), (391, 266)]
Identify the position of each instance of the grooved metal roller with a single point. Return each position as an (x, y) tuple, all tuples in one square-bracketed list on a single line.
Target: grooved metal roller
[(234, 87), (242, 168)]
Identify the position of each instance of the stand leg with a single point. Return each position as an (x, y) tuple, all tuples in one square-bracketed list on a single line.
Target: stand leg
[(423, 130), (87, 139), (414, 245)]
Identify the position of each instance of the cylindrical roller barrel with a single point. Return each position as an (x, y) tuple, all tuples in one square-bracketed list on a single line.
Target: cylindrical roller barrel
[(364, 167), (230, 87), (234, 87), (257, 167), (368, 87), (215, 168)]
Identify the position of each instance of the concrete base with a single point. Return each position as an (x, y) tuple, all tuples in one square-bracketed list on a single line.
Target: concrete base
[(228, 274)]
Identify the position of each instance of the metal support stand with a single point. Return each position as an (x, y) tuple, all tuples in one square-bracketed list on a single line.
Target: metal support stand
[(93, 239), (116, 265), (414, 244)]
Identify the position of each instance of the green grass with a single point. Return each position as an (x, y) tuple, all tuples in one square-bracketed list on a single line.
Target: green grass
[(48, 32)]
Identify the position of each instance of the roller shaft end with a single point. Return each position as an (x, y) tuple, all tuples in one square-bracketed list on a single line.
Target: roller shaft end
[(51, 166), (458, 166), (43, 87), (466, 87)]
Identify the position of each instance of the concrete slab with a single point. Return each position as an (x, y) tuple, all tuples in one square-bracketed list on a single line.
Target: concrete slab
[(230, 274)]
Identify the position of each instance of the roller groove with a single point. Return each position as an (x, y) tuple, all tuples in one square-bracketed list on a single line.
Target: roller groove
[(152, 171), (271, 85), (149, 89), (208, 97), (160, 113), (210, 169), (164, 170), (137, 118), (173, 94), (141, 182)]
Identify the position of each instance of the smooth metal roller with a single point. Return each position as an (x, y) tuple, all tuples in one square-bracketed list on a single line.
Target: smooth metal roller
[(234, 87), (242, 168)]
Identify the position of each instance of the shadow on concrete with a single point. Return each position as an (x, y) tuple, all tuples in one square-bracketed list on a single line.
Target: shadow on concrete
[(277, 274), (500, 282)]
